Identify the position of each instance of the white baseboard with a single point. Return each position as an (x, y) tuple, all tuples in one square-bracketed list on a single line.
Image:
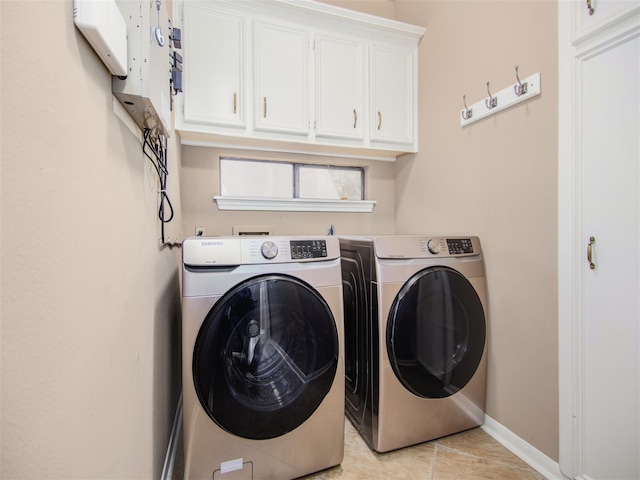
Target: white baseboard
[(527, 452), (174, 442)]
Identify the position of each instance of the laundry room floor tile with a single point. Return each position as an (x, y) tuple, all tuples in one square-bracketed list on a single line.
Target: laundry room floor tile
[(470, 455)]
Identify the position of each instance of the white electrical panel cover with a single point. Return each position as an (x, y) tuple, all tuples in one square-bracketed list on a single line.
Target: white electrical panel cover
[(145, 92), (102, 24)]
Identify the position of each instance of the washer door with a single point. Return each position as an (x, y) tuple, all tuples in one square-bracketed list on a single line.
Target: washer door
[(436, 332), (265, 357)]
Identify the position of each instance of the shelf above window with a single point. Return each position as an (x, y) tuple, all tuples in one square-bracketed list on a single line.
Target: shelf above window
[(294, 204)]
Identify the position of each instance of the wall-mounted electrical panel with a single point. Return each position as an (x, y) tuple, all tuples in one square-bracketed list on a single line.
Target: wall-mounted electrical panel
[(145, 92), (102, 24)]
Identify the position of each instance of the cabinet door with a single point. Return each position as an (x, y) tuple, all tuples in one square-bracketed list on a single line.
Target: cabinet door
[(339, 87), (609, 154), (590, 14), (282, 78), (392, 95), (213, 66)]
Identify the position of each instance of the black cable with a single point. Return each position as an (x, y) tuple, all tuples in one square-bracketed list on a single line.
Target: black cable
[(155, 149)]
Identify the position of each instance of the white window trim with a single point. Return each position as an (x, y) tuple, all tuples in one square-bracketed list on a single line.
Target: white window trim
[(294, 204)]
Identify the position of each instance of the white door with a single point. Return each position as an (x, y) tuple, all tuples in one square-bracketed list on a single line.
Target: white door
[(282, 78), (610, 156), (600, 273), (213, 66), (339, 87)]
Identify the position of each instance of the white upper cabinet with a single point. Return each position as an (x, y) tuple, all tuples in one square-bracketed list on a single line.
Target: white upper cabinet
[(297, 75), (392, 95), (339, 87), (590, 15), (281, 78), (214, 75)]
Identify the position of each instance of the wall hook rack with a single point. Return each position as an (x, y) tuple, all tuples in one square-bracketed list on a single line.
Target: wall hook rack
[(505, 98)]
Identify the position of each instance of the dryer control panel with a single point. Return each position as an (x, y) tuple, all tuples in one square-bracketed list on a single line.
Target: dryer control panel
[(418, 246)]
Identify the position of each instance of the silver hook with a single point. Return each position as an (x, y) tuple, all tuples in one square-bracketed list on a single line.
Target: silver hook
[(520, 88), (490, 102), (468, 112)]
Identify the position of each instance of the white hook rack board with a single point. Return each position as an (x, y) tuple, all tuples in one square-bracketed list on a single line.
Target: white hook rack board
[(506, 98)]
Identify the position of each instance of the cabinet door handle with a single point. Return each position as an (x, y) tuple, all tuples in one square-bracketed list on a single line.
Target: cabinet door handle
[(592, 265), (355, 118), (379, 120), (589, 7), (264, 107), (235, 102)]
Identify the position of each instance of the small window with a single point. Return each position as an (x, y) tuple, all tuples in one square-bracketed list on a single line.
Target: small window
[(257, 178), (248, 178)]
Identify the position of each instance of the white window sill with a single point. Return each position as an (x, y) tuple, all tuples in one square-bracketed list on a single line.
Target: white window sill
[(294, 204)]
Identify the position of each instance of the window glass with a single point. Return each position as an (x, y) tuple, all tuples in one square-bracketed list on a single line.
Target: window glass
[(329, 182), (256, 178), (246, 178)]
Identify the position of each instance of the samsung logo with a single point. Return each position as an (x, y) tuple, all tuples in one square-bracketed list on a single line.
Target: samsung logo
[(212, 243)]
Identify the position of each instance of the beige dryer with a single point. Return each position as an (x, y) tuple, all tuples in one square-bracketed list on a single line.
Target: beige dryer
[(415, 337)]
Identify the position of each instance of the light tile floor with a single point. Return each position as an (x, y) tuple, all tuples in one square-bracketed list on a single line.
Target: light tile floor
[(472, 455)]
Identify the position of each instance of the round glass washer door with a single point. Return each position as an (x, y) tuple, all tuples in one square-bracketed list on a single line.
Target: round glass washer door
[(265, 356), (436, 332)]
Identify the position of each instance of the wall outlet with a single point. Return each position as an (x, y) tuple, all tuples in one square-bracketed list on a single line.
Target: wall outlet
[(201, 231)]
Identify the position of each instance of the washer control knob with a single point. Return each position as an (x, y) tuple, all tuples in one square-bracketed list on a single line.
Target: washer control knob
[(269, 250), (433, 246)]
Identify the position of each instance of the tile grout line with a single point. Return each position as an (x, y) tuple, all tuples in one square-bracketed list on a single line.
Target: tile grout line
[(436, 447)]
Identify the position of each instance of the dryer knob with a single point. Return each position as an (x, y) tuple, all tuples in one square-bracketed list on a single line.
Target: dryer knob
[(433, 246), (269, 250)]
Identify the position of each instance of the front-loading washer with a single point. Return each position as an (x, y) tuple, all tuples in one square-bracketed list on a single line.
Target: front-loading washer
[(262, 362), (415, 337)]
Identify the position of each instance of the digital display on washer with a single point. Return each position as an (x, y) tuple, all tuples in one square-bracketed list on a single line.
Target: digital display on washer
[(302, 249), (458, 246)]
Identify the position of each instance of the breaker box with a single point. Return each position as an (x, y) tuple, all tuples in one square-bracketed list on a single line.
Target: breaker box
[(145, 92)]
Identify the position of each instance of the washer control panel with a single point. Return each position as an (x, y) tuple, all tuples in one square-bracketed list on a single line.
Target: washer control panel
[(459, 246), (246, 250), (308, 249)]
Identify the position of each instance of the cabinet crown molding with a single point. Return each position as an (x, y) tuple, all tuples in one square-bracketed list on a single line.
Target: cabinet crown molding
[(322, 11)]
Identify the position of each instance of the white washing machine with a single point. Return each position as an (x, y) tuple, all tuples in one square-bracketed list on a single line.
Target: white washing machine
[(415, 337), (262, 363)]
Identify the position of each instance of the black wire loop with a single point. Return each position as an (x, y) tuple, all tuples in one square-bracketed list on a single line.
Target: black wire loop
[(155, 149)]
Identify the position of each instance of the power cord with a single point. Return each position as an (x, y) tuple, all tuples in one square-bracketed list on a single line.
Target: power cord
[(155, 149)]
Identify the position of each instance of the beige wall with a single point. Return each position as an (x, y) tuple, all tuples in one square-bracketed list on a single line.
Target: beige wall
[(496, 178), (90, 303)]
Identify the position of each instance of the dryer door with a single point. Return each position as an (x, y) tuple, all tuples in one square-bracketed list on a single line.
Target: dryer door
[(265, 357), (436, 332)]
